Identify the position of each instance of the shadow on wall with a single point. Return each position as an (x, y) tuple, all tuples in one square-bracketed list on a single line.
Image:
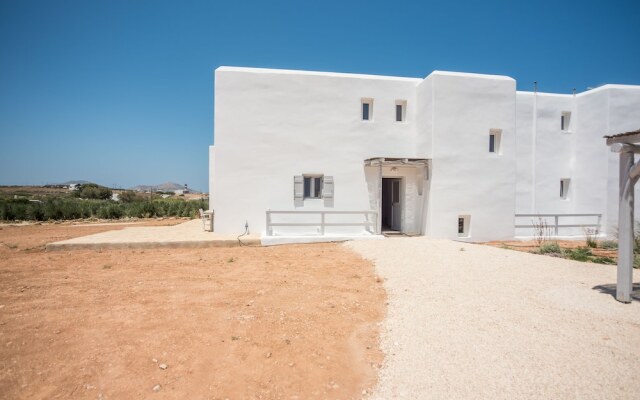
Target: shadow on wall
[(610, 289)]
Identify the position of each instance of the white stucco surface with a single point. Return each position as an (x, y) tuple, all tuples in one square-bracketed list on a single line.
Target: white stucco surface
[(273, 125)]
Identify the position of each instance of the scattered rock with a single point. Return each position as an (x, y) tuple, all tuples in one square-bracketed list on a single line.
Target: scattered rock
[(269, 355), (156, 388), (155, 360), (163, 366)]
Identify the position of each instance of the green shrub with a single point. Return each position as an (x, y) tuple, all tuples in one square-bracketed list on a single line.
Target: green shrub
[(93, 191), (578, 254), (550, 247), (609, 244), (603, 260), (63, 208), (129, 196)]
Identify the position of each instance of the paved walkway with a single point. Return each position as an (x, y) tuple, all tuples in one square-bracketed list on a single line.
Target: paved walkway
[(187, 234), (469, 321)]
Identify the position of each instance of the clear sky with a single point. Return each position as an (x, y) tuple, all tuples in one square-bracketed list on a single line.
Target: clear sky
[(121, 92)]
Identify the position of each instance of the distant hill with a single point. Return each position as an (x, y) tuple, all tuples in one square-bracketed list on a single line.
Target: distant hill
[(164, 187)]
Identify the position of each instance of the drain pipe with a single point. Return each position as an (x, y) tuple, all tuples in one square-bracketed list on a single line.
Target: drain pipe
[(379, 227), (534, 132)]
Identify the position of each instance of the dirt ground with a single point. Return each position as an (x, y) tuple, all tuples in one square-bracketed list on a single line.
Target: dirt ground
[(290, 322), (530, 245)]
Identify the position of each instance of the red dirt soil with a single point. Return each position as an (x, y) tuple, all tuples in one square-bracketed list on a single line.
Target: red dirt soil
[(530, 245), (296, 321)]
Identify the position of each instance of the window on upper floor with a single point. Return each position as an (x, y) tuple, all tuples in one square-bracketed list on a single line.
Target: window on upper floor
[(565, 121), (401, 110), (367, 109), (495, 137)]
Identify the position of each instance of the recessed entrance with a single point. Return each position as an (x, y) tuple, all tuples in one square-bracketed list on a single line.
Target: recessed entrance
[(391, 204)]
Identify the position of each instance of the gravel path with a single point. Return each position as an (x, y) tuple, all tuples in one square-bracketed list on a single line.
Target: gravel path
[(472, 321)]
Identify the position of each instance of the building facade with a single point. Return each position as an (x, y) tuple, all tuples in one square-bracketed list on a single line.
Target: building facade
[(454, 155)]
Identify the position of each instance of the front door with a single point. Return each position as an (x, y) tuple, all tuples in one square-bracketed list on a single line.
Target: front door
[(391, 204)]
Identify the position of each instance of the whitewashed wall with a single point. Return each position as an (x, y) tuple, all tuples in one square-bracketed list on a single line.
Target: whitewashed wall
[(623, 116), (273, 124), (466, 178), (580, 154)]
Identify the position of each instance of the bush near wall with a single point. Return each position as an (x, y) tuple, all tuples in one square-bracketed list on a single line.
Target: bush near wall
[(72, 208)]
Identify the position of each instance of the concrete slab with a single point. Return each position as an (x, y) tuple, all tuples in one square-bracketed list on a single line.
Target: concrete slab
[(187, 234), (299, 239)]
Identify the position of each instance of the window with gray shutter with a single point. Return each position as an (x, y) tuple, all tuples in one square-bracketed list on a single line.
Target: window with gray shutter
[(298, 187), (327, 187)]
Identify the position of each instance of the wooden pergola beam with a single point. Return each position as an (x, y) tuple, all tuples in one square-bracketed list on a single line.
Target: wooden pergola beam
[(625, 145)]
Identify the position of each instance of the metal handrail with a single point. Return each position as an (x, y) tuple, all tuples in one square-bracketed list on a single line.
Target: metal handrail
[(322, 224)]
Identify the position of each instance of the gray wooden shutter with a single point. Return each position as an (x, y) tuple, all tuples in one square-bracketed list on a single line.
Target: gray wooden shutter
[(298, 187), (327, 187)]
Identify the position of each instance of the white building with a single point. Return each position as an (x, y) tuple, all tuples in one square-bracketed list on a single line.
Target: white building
[(454, 155)]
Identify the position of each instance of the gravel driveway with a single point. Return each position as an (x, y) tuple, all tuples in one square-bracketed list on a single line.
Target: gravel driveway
[(470, 321)]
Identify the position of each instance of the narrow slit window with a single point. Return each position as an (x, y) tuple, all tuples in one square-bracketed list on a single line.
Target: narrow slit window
[(564, 188), (494, 140), (401, 110), (565, 121), (464, 222), (367, 109)]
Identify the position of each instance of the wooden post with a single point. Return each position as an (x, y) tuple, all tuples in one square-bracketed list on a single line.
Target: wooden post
[(625, 229)]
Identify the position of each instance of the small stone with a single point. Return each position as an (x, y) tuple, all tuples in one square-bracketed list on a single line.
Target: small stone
[(292, 364), (269, 355), (155, 360), (163, 366), (156, 388)]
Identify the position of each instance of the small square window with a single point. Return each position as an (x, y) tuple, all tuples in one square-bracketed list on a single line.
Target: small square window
[(565, 121), (367, 109), (312, 187), (464, 222), (564, 188), (401, 110)]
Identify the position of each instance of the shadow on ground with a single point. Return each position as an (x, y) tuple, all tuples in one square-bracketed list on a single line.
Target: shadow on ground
[(610, 289)]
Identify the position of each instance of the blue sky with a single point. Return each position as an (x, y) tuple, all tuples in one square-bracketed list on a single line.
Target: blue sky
[(121, 92)]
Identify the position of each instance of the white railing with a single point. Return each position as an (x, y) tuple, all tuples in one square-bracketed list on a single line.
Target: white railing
[(369, 224), (535, 220)]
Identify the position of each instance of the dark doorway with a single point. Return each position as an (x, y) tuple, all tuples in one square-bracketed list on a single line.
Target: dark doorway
[(391, 209)]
